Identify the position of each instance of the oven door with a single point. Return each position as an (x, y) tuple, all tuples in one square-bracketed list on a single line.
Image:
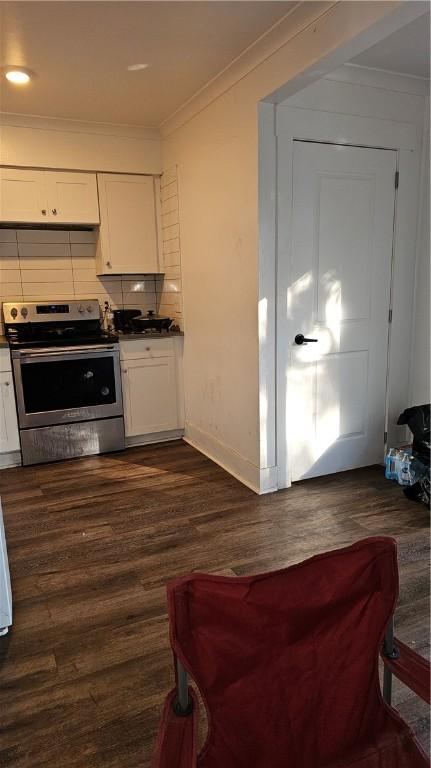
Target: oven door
[(67, 385)]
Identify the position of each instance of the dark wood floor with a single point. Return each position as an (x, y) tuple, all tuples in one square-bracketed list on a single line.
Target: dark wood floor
[(92, 544)]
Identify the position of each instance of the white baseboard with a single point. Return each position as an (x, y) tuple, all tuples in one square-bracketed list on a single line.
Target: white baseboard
[(11, 459), (259, 481), (154, 437)]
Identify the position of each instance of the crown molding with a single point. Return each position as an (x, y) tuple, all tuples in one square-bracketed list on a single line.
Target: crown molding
[(346, 29), (292, 24)]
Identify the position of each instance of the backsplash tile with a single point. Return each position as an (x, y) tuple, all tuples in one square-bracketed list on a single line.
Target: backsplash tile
[(60, 264), (169, 287), (42, 236), (8, 250)]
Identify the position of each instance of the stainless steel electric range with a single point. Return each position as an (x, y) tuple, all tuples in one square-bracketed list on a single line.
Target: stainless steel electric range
[(67, 380)]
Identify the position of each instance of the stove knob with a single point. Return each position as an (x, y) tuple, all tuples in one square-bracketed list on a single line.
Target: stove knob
[(89, 308), (14, 312), (24, 311), (81, 308)]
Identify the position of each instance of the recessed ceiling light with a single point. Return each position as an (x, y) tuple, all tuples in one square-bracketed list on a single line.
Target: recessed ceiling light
[(17, 76), (136, 67)]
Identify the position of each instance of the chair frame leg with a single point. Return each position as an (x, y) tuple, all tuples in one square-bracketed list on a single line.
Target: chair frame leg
[(391, 652), (183, 703)]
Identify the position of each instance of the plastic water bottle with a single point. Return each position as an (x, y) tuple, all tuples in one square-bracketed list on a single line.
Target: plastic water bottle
[(398, 464), (405, 476), (390, 459)]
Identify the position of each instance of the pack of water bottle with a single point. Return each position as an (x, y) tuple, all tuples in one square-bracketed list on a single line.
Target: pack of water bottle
[(402, 466)]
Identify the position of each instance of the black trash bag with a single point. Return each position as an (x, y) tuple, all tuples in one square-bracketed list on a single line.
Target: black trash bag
[(418, 421)]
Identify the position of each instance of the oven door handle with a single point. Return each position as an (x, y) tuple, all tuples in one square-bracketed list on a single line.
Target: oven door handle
[(62, 351)]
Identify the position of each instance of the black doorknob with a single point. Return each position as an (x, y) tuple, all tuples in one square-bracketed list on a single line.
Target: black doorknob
[(301, 339)]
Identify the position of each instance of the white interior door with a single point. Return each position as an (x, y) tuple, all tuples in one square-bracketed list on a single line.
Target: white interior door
[(339, 294)]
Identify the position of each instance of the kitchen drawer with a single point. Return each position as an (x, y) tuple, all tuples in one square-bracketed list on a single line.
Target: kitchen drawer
[(5, 363), (148, 348)]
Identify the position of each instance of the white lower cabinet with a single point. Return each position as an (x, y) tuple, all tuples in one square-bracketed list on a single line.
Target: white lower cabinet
[(152, 392), (9, 436)]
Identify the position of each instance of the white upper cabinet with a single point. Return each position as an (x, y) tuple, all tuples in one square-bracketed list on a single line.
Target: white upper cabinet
[(48, 197), (72, 197), (128, 225), (22, 196)]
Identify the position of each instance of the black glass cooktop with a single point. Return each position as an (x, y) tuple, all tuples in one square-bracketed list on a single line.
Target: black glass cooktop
[(58, 335)]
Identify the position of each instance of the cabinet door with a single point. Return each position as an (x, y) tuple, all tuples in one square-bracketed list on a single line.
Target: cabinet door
[(22, 196), (72, 197), (128, 230), (9, 438), (150, 396)]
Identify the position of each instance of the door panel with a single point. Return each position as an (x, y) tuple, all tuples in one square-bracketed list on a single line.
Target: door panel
[(22, 196), (150, 396), (344, 244), (342, 230), (9, 438), (128, 231), (72, 197)]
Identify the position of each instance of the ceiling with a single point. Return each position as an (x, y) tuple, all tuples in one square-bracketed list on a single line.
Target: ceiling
[(406, 51), (80, 51)]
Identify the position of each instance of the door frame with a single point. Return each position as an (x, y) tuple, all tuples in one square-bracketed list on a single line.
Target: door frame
[(275, 191)]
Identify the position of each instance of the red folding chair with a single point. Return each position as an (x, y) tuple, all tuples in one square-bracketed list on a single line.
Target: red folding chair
[(287, 665)]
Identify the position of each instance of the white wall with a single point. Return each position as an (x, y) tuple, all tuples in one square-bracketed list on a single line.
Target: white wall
[(215, 146), (71, 144), (216, 155), (60, 264), (420, 368)]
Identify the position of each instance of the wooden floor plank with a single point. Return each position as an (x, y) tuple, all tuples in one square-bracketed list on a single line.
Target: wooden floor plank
[(93, 542)]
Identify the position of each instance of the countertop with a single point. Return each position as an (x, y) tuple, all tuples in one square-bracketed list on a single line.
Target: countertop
[(125, 336), (151, 335)]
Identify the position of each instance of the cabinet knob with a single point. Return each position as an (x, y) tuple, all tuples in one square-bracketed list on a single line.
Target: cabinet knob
[(43, 211), (7, 383), (108, 264), (148, 349), (54, 211)]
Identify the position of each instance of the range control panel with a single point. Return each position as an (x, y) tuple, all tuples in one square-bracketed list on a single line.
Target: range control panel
[(50, 311)]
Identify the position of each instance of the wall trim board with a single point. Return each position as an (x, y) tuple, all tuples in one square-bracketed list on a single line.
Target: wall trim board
[(380, 78), (10, 459), (294, 123), (231, 461), (155, 437), (267, 212), (309, 29), (268, 480), (350, 129)]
